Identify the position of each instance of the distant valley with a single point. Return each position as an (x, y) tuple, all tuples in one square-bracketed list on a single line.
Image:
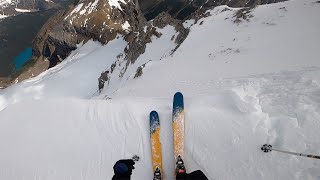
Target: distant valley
[(16, 36)]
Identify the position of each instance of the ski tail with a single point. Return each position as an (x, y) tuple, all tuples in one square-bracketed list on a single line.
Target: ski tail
[(155, 145), (178, 131)]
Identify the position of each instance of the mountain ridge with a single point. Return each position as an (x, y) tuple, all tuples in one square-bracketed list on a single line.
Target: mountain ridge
[(61, 34)]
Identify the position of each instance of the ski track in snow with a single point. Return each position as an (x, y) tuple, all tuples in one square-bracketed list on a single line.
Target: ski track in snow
[(237, 97)]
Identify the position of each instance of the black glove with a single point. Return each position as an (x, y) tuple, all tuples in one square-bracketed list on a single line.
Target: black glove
[(123, 168), (196, 175)]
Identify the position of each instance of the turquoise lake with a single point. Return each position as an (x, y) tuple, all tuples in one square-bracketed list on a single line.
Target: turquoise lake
[(17, 34), (22, 58)]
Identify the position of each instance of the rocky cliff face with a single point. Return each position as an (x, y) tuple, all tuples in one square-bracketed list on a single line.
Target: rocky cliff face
[(98, 20), (180, 9)]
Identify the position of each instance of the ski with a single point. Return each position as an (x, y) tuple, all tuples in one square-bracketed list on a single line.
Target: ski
[(156, 150), (178, 132)]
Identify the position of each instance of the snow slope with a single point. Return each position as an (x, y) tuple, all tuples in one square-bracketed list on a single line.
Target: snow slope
[(245, 85), (272, 41)]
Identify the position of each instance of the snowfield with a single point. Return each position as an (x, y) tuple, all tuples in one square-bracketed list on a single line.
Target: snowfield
[(245, 84), (24, 10)]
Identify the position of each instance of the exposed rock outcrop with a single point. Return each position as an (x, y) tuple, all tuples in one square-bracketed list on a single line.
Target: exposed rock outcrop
[(137, 42)]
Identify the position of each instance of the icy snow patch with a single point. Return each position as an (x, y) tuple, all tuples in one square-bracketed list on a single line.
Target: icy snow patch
[(125, 25), (75, 10), (93, 6), (89, 8), (116, 4), (23, 10)]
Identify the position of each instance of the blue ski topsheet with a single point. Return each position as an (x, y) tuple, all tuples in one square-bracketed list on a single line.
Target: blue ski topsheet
[(154, 121), (178, 105), (178, 126), (156, 150)]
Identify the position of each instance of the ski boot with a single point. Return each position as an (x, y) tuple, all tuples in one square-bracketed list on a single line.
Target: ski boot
[(180, 168), (157, 174)]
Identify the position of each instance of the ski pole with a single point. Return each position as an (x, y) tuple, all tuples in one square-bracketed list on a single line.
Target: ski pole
[(267, 148), (136, 158)]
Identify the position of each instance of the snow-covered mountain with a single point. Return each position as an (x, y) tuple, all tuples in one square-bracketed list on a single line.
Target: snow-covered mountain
[(249, 77), (103, 20), (182, 8)]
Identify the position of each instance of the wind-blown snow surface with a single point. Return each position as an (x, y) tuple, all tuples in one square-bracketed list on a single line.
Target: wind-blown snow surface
[(244, 85)]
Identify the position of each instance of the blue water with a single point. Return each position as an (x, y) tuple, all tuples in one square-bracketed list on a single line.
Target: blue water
[(22, 58)]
